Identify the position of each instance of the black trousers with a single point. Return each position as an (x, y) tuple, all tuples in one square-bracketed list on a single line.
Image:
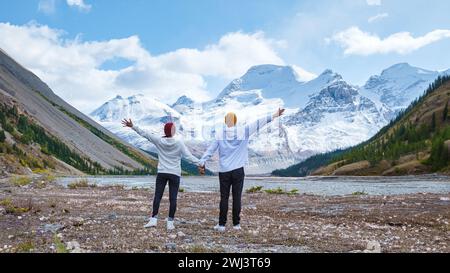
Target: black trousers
[(233, 180), (174, 185)]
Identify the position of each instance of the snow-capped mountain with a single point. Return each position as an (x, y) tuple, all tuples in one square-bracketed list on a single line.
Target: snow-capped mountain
[(143, 109), (323, 114), (183, 104), (398, 86), (338, 116), (280, 82), (336, 98)]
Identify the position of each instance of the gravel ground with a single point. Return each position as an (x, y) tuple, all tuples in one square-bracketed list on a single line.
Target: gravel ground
[(44, 217)]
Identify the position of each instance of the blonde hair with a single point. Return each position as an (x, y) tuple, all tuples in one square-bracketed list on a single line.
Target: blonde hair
[(231, 116)]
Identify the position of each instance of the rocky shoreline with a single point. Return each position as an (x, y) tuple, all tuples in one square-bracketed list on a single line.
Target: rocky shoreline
[(40, 216)]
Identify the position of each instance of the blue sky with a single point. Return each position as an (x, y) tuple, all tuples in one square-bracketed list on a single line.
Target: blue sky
[(169, 48), (162, 25)]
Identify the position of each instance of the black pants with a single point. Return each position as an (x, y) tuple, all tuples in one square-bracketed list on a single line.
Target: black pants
[(174, 185), (233, 180)]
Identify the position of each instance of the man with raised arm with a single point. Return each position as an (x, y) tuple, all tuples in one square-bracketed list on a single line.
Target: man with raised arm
[(232, 143)]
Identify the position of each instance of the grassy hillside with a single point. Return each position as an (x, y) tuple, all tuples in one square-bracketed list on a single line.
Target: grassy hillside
[(80, 134), (26, 144), (416, 142), (126, 149)]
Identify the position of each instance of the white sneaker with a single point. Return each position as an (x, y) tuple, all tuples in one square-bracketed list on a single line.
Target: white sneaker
[(152, 223), (219, 228), (237, 227), (170, 225)]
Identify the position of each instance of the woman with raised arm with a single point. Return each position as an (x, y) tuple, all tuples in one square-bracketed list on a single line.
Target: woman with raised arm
[(170, 151)]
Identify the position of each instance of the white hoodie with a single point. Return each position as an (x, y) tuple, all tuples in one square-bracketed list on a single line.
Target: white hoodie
[(170, 151)]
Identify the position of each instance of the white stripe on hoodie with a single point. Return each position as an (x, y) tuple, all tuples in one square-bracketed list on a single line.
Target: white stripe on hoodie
[(170, 150)]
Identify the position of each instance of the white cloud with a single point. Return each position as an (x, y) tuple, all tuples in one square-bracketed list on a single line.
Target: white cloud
[(47, 6), (357, 42), (373, 2), (302, 74), (79, 4), (378, 17), (230, 57), (72, 67)]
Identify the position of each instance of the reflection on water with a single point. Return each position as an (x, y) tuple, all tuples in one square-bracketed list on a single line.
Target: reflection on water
[(309, 185)]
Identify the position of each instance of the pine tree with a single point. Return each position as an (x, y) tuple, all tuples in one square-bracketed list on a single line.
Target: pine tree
[(8, 127), (433, 122), (2, 118), (2, 136), (445, 113)]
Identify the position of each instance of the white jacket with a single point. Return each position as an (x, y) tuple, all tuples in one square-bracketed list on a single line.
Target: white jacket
[(232, 144), (170, 151)]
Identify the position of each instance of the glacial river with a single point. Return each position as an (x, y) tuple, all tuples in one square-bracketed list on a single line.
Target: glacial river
[(310, 185)]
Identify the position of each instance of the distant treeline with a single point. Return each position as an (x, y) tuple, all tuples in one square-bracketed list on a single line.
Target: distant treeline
[(305, 168)]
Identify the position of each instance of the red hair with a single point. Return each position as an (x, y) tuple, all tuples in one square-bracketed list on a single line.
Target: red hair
[(168, 129)]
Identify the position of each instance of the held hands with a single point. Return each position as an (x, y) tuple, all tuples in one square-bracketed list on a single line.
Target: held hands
[(201, 170), (279, 113), (127, 123)]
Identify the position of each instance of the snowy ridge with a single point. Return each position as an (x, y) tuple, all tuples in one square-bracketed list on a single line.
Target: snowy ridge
[(397, 86), (140, 108), (322, 115)]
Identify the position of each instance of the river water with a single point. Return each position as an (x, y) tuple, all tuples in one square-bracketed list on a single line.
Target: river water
[(310, 185)]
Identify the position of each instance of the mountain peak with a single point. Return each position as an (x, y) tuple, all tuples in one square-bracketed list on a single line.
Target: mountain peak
[(404, 69), (330, 75), (136, 107), (269, 72), (397, 67), (401, 65), (327, 71), (398, 85), (446, 72), (267, 77), (136, 96), (183, 100), (265, 68)]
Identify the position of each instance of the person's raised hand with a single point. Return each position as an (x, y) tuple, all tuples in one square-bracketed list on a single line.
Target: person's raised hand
[(127, 123), (279, 113)]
